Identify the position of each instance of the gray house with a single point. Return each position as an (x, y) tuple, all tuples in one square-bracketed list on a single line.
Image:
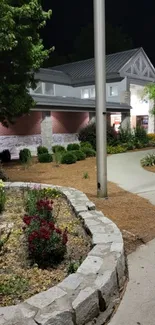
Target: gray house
[(65, 100)]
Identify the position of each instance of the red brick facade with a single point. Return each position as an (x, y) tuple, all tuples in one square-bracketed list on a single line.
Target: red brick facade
[(62, 122)]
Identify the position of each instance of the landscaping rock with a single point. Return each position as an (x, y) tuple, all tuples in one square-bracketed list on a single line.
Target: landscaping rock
[(86, 305), (91, 265), (107, 284), (90, 205), (72, 282), (100, 250), (55, 318), (100, 238), (46, 298)]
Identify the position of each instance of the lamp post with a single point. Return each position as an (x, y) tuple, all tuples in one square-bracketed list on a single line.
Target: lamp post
[(101, 116)]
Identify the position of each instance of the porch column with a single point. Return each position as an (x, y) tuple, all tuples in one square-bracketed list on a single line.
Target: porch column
[(46, 130), (151, 122), (126, 99)]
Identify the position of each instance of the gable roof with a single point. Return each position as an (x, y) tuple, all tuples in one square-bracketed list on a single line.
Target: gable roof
[(85, 70)]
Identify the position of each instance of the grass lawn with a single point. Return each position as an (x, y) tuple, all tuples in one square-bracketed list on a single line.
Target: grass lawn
[(132, 214)]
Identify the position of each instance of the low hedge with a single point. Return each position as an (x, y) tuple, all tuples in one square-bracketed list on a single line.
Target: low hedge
[(89, 152), (25, 155), (80, 155), (5, 156), (117, 149), (58, 148), (86, 145), (41, 150), (68, 158), (45, 158), (73, 146)]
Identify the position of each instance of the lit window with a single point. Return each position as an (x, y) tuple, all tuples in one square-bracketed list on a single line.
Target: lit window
[(113, 91), (85, 93), (48, 89), (92, 92)]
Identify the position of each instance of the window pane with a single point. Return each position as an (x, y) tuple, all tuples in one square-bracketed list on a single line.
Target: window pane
[(113, 91), (38, 89), (49, 88), (92, 92), (85, 93)]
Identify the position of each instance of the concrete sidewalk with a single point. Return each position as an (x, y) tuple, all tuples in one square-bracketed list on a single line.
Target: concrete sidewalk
[(126, 171), (138, 304)]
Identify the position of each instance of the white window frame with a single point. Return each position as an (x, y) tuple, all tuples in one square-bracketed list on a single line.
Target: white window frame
[(92, 89), (82, 91), (32, 91), (111, 89), (43, 85)]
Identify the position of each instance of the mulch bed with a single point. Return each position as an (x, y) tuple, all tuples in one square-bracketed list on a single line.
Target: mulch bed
[(133, 215), (19, 279)]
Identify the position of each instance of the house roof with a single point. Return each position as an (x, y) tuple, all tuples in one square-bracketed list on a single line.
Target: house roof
[(57, 103), (85, 70)]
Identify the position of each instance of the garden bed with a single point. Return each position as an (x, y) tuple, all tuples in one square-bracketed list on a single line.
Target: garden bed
[(20, 278), (133, 215)]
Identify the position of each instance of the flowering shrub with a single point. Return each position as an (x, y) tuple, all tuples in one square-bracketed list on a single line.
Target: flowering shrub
[(46, 241), (2, 196)]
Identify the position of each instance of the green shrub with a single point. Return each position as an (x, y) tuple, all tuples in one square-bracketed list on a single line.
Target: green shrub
[(85, 175), (88, 134), (45, 158), (57, 157), (80, 155), (58, 148), (89, 152), (141, 135), (41, 150), (86, 144), (46, 242), (148, 160), (117, 149), (73, 146), (5, 156), (25, 156), (126, 135), (68, 158)]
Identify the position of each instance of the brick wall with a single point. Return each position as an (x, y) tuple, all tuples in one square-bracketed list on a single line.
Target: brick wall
[(62, 122), (68, 122), (25, 125)]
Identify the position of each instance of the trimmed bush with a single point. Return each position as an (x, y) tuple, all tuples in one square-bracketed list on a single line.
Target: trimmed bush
[(73, 146), (68, 158), (25, 156), (41, 150), (58, 148), (117, 149), (86, 144), (88, 134), (5, 156), (141, 135), (148, 160), (45, 158), (80, 155), (151, 136), (89, 152)]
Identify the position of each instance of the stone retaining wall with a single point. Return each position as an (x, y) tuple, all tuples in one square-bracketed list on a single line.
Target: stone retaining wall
[(89, 296)]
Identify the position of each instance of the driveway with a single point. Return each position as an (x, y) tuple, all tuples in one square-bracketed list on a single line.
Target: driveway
[(126, 171)]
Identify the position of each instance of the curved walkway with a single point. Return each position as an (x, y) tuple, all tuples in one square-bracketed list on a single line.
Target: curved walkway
[(138, 304), (126, 171)]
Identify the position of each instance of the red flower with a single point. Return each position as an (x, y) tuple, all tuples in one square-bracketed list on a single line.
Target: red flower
[(44, 233), (27, 220), (33, 236), (58, 231), (51, 225)]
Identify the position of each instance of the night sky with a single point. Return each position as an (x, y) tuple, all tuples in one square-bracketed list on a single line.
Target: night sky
[(135, 17)]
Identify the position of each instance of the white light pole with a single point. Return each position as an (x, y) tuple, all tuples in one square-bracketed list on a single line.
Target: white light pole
[(101, 116)]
